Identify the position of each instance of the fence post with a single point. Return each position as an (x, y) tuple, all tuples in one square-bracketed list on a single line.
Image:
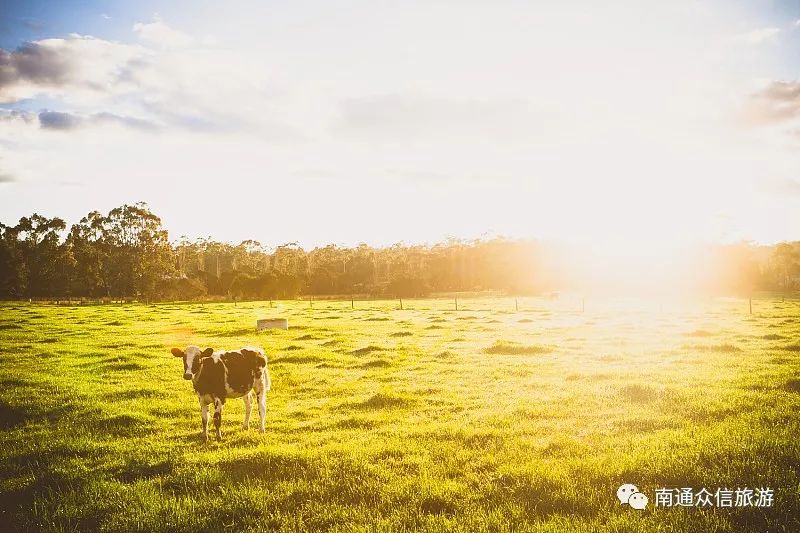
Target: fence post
[(401, 304), (516, 304), (456, 300), (751, 304), (352, 304)]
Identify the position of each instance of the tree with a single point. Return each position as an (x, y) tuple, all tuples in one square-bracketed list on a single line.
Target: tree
[(786, 259), (89, 253), (45, 265), (12, 266)]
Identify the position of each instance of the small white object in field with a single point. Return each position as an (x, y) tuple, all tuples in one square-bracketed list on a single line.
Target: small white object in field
[(272, 323)]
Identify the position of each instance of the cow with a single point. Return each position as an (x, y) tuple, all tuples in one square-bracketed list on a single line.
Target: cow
[(217, 376)]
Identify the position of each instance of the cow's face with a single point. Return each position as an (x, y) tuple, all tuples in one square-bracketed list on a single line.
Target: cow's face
[(191, 359)]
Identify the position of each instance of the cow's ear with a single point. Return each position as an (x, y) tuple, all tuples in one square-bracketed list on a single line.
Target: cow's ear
[(177, 352), (207, 352)]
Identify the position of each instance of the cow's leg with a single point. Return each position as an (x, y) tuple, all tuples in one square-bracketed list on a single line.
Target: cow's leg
[(204, 417), (218, 404), (262, 410), (261, 393), (248, 404)]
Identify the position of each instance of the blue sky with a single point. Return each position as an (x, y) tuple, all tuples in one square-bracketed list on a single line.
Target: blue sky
[(33, 20), (628, 125)]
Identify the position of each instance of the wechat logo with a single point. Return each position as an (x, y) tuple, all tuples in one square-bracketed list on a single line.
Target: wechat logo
[(630, 495)]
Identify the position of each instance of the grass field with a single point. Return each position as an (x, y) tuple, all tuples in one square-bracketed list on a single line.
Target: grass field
[(481, 419)]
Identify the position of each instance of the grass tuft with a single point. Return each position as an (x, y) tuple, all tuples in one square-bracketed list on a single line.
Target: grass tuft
[(700, 333), (512, 348), (383, 400), (792, 385), (367, 350), (639, 393)]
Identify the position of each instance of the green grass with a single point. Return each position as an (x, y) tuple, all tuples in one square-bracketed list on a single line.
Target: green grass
[(482, 419)]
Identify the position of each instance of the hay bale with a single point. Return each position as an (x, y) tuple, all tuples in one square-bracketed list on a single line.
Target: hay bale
[(272, 323)]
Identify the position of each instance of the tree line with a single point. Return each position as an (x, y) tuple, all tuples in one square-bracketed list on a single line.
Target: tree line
[(127, 253)]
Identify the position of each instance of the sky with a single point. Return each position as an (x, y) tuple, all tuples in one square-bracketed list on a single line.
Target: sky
[(633, 127)]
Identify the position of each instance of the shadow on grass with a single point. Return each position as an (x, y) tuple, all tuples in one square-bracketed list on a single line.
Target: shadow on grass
[(269, 466), (138, 470), (135, 394), (367, 349), (11, 416), (639, 393), (382, 400), (124, 425), (298, 359), (377, 363), (793, 385)]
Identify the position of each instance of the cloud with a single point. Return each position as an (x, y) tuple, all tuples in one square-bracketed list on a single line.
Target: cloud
[(13, 115), (412, 116), (55, 120), (7, 178), (78, 64), (159, 34), (33, 63), (149, 87), (777, 102), (761, 35), (130, 122)]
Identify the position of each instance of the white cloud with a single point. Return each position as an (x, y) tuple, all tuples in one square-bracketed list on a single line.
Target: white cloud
[(761, 36), (777, 102), (75, 66), (188, 87), (158, 33), (408, 117)]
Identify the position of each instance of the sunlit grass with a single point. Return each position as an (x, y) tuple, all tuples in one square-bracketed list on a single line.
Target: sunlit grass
[(485, 418)]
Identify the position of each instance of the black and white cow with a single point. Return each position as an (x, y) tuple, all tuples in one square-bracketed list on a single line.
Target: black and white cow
[(217, 376)]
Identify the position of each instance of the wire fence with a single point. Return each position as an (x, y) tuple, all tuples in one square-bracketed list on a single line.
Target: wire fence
[(459, 301)]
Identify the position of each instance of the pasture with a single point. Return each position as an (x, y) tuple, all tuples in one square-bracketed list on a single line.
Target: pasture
[(481, 419)]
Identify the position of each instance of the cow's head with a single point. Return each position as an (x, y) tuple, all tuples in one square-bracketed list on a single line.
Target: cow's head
[(191, 359)]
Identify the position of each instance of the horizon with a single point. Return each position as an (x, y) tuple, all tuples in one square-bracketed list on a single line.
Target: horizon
[(57, 257)]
